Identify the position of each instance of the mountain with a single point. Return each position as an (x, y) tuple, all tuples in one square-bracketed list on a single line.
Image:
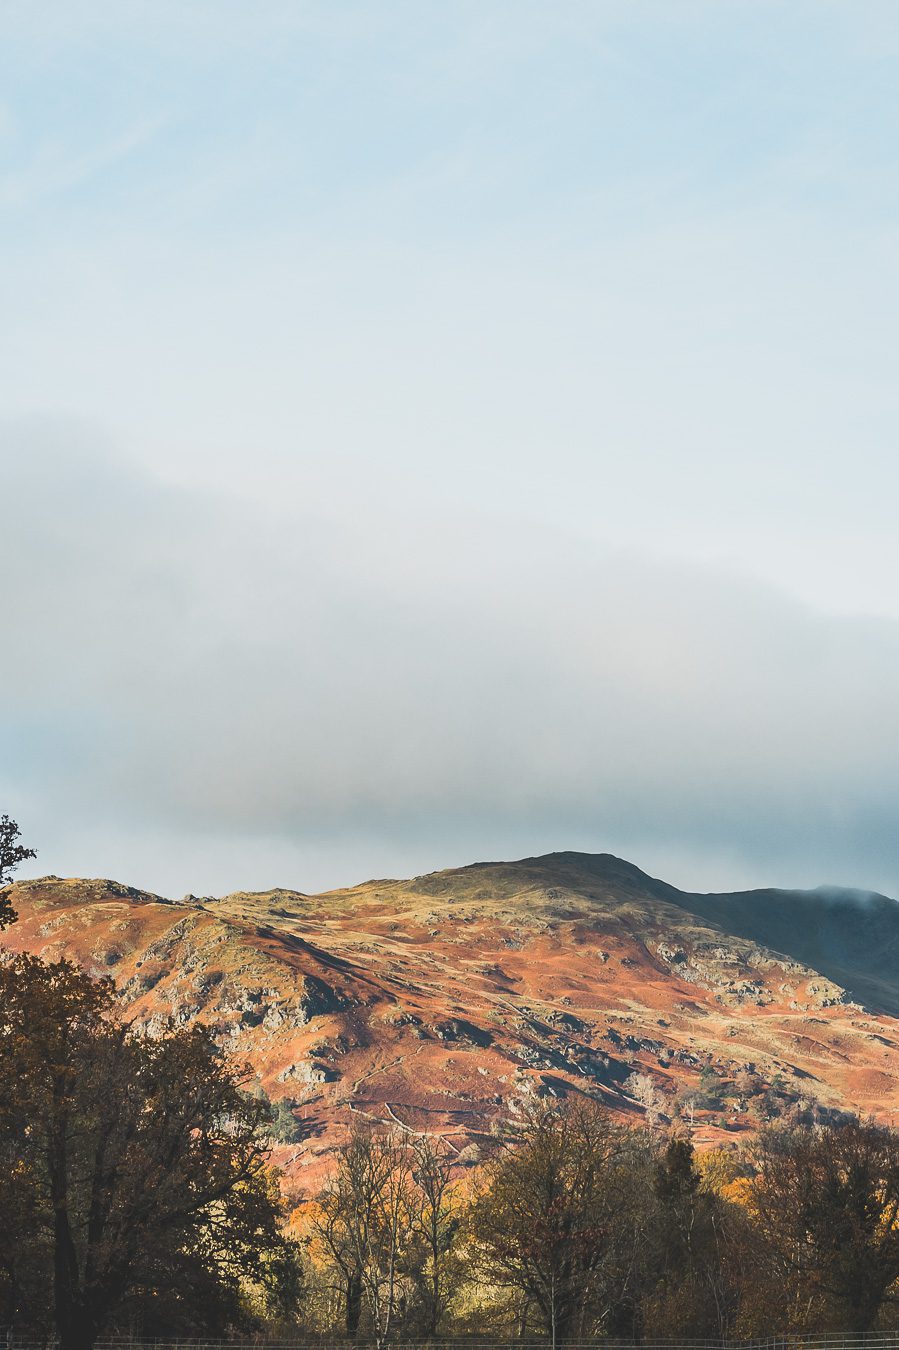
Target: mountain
[(447, 1000)]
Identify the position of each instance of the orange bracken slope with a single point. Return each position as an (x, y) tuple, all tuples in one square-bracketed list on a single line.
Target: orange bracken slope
[(445, 1002)]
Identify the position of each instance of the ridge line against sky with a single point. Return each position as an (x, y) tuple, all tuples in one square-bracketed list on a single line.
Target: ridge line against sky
[(448, 431)]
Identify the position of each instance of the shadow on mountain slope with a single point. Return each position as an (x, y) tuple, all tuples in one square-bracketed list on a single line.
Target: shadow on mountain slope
[(849, 936)]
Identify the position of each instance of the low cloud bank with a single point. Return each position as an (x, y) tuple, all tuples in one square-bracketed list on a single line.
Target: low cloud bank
[(199, 692)]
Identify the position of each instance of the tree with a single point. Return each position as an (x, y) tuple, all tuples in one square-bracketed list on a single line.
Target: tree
[(24, 1249), (709, 1094), (148, 1183), (643, 1090), (284, 1126), (364, 1220), (689, 1288), (548, 1220), (12, 853), (435, 1220), (826, 1200)]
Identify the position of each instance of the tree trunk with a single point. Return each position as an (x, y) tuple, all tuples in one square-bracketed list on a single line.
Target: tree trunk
[(863, 1310), (77, 1331), (435, 1296), (353, 1304)]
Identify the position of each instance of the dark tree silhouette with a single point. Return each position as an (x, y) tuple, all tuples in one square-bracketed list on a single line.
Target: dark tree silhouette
[(142, 1174), (547, 1222), (11, 854), (826, 1202), (690, 1289)]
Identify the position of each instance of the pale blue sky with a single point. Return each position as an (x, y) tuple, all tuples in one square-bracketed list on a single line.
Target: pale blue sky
[(433, 431)]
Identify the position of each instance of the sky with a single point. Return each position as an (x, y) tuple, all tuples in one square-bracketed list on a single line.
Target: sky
[(432, 432)]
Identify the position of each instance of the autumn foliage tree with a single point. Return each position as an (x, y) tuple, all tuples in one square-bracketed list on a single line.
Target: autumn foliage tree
[(551, 1220), (692, 1236), (435, 1220), (137, 1183), (826, 1205), (364, 1221)]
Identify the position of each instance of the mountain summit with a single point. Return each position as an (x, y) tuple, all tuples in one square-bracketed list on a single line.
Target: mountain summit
[(446, 1001)]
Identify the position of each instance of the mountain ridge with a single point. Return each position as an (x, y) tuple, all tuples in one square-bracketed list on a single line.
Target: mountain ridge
[(450, 999)]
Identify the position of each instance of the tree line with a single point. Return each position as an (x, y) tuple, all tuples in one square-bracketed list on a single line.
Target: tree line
[(137, 1196), (578, 1227)]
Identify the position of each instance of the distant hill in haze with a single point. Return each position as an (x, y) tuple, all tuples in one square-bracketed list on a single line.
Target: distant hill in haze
[(446, 1001)]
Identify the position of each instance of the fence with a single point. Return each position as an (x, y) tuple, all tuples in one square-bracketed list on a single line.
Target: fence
[(888, 1340), (877, 1340)]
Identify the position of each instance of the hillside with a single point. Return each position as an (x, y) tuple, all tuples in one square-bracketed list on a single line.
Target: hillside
[(442, 1002)]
